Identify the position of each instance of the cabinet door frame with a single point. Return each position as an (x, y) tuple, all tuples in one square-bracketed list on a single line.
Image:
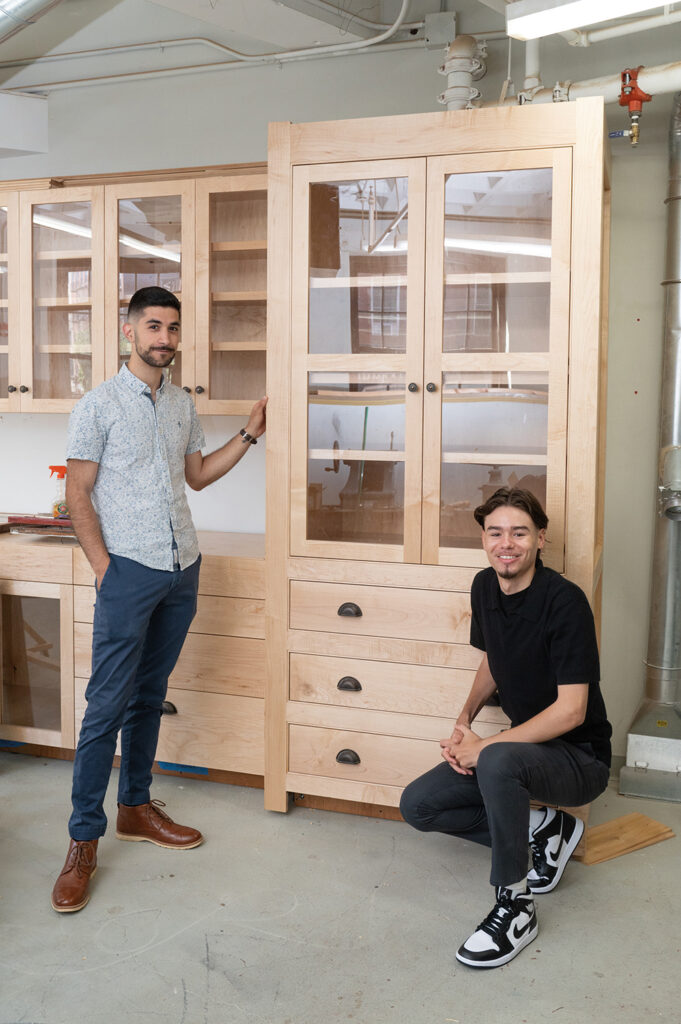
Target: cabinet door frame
[(554, 361), (410, 363), (10, 402), (28, 200), (185, 188), (205, 188), (65, 735)]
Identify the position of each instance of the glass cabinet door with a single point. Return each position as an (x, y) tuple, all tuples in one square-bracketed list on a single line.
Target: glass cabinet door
[(150, 243), (9, 303), (496, 343), (36, 663), (357, 365), (231, 314), (62, 332)]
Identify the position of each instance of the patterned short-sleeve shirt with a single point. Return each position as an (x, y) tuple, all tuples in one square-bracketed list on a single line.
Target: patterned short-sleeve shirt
[(139, 493)]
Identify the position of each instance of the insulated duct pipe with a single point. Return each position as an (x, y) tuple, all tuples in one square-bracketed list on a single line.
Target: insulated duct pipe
[(663, 675), (17, 14)]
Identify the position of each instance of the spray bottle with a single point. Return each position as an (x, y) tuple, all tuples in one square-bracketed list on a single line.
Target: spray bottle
[(59, 509)]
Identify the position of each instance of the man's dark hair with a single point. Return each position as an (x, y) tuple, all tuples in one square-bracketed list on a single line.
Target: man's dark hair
[(516, 497), (145, 297)]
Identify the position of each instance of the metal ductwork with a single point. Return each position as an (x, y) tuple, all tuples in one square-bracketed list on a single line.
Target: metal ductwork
[(17, 14), (653, 766)]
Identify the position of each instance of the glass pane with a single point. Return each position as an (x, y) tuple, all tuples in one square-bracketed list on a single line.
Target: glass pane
[(467, 485), (62, 270), (31, 673), (495, 412), (358, 266), (497, 261), (356, 411), (149, 255), (238, 301), (355, 500), (4, 310)]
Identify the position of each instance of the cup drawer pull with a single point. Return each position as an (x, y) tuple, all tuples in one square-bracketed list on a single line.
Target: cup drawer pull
[(347, 756), (349, 683), (350, 609), (168, 708)]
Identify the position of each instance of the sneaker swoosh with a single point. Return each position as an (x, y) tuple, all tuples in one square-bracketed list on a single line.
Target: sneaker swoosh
[(519, 932)]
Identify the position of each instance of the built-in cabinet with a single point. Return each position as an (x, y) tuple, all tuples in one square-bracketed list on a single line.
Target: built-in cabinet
[(81, 252), (442, 314)]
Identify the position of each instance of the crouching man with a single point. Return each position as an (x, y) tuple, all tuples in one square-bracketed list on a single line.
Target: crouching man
[(537, 633)]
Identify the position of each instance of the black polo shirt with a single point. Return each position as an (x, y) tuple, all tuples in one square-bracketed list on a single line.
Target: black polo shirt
[(535, 640)]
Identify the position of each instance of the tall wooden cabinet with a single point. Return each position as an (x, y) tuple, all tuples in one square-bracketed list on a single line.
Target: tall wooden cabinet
[(438, 326)]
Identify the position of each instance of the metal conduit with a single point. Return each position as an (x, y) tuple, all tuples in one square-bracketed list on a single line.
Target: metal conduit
[(17, 14)]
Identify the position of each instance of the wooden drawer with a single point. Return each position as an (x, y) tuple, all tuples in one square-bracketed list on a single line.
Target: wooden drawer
[(383, 760), (223, 616), (210, 730), (213, 730), (386, 611), (410, 689), (216, 664), (36, 559)]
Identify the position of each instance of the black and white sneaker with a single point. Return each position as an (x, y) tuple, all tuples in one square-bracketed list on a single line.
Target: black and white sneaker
[(509, 927), (552, 844)]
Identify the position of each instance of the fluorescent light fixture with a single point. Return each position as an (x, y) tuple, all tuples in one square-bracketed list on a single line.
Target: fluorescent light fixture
[(542, 249), (532, 19), (71, 228)]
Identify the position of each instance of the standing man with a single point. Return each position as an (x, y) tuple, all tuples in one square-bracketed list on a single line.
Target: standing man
[(133, 442), (540, 653)]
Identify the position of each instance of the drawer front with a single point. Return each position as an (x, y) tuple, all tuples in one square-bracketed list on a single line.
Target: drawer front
[(439, 616), (383, 760), (214, 730), (223, 616), (217, 664), (210, 730), (382, 686)]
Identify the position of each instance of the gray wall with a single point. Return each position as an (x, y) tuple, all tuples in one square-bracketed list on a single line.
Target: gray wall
[(222, 118)]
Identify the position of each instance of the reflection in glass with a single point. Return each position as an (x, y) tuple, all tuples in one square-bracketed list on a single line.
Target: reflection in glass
[(238, 294), (358, 266), (30, 669), (356, 411), (149, 255), (62, 269), (465, 486), (497, 261), (495, 412), (355, 500), (4, 310)]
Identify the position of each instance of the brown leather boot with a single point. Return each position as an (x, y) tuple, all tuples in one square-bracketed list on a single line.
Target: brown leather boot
[(71, 888), (149, 823)]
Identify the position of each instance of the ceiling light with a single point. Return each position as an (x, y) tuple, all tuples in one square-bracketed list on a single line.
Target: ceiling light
[(531, 19)]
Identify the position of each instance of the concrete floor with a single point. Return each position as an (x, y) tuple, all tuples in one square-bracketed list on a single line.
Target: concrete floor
[(314, 917)]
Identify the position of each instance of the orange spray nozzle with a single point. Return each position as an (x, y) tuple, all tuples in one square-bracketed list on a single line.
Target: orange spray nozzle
[(59, 470)]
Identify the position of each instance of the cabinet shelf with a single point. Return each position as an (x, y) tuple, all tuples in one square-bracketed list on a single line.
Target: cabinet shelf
[(63, 255), (56, 303), (362, 398), (65, 350), (4, 303), (365, 281), (355, 455), (511, 277), (496, 458), (257, 245), (247, 296), (238, 346), (4, 349)]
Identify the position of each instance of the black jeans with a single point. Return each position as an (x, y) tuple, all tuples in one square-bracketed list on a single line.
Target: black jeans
[(492, 806)]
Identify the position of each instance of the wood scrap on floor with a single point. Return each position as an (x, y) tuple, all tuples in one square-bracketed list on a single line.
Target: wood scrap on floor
[(623, 835)]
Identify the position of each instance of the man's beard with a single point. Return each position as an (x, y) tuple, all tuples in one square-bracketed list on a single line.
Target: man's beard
[(157, 360)]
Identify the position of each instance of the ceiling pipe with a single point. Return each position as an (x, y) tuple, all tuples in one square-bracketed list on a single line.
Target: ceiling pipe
[(664, 78), (463, 65), (17, 14), (625, 28)]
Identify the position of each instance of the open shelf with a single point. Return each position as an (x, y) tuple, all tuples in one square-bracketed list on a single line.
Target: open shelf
[(255, 245), (238, 346)]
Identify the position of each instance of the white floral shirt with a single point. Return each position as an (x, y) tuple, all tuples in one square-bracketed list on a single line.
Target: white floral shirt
[(139, 494)]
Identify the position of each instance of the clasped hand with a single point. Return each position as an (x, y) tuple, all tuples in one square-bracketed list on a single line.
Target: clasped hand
[(462, 749)]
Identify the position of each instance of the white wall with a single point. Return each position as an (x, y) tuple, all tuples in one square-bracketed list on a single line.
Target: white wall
[(221, 118)]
